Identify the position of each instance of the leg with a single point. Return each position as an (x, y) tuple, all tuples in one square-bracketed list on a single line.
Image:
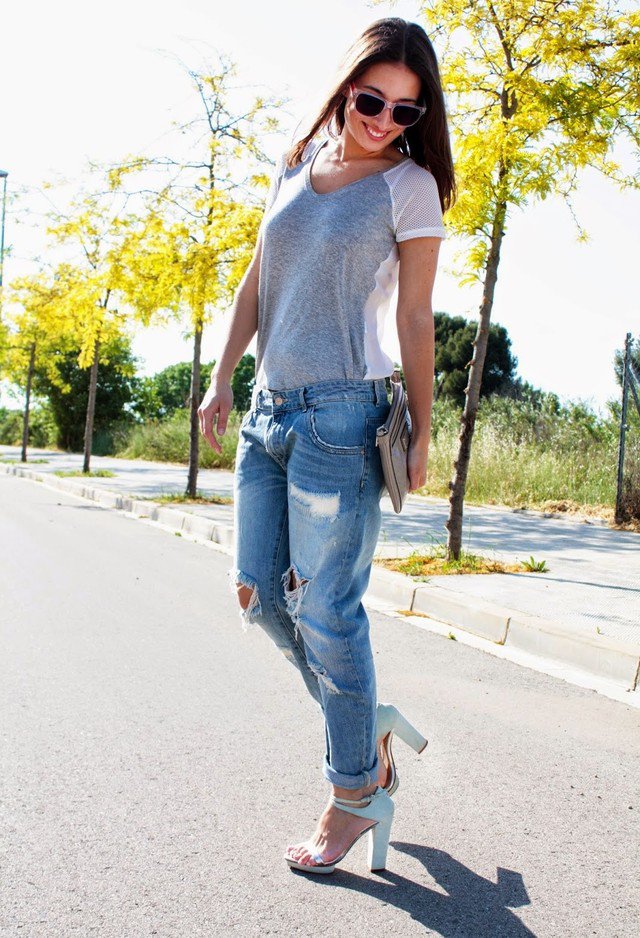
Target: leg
[(335, 483), (334, 521), (262, 547)]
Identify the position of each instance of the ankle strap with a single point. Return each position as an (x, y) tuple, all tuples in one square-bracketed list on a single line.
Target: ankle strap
[(360, 803)]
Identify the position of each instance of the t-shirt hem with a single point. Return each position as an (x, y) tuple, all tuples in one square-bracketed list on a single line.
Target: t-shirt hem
[(422, 233)]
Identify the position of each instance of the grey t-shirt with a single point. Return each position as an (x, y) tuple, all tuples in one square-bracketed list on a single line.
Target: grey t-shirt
[(329, 267)]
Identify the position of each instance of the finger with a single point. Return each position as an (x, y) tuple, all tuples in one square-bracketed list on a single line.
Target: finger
[(207, 432), (213, 443), (211, 439), (223, 417)]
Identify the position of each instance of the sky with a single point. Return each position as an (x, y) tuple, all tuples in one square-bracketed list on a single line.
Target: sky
[(82, 82)]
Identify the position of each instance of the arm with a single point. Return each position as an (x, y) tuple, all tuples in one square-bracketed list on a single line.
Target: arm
[(418, 264), (218, 400)]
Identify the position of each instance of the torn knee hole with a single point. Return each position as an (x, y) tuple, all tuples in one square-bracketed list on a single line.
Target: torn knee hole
[(295, 587), (246, 594), (294, 582), (246, 590), (322, 675)]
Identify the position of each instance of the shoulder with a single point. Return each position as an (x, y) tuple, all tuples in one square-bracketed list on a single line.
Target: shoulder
[(281, 169), (408, 178), (417, 210)]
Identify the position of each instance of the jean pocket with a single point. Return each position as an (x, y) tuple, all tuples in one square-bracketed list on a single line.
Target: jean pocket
[(338, 427)]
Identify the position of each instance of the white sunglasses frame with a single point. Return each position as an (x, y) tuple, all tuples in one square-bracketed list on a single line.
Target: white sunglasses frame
[(355, 91)]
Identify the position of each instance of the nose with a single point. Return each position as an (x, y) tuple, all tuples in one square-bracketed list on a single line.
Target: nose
[(385, 121), (382, 122)]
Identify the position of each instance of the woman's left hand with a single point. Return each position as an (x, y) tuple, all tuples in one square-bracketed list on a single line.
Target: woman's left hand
[(417, 464)]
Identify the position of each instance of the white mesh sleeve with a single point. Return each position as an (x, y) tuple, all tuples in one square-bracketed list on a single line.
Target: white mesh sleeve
[(416, 204)]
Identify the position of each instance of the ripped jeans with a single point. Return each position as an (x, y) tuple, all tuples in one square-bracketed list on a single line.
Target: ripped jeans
[(307, 490)]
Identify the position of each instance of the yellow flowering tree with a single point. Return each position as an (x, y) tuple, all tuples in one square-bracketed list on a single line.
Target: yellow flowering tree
[(90, 230), (33, 330), (536, 91), (186, 249)]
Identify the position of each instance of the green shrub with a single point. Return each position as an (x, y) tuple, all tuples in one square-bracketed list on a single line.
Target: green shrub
[(168, 441), (524, 454), (42, 429)]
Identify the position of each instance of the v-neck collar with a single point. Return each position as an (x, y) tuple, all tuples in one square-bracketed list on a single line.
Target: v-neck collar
[(324, 195)]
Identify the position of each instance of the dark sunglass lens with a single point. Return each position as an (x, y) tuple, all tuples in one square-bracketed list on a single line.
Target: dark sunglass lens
[(368, 105), (405, 115)]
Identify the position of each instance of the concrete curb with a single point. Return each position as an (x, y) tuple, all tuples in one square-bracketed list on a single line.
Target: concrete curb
[(598, 656)]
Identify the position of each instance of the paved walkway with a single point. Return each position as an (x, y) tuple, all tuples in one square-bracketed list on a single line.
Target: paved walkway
[(593, 583)]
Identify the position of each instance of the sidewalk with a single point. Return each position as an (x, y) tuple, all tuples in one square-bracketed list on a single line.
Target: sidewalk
[(585, 611)]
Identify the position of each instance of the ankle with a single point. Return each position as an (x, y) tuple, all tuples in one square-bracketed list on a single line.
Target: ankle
[(354, 794)]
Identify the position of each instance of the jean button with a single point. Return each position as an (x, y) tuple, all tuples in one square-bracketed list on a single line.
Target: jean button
[(277, 400)]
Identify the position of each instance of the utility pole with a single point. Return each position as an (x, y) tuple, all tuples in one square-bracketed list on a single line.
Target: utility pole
[(623, 428), (3, 176)]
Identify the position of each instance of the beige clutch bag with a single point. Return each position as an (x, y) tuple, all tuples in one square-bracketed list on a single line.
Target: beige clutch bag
[(392, 439)]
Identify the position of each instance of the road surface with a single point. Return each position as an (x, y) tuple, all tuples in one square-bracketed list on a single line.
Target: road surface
[(156, 759)]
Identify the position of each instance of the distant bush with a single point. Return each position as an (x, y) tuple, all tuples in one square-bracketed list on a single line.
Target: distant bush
[(42, 428), (168, 441), (528, 452), (524, 453)]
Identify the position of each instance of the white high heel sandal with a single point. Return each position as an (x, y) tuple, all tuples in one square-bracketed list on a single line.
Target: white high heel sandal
[(390, 721), (377, 806)]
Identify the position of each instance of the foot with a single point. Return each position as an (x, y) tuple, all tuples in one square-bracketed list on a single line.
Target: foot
[(384, 771), (335, 832)]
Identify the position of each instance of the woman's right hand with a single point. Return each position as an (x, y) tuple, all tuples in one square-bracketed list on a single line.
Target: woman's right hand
[(214, 409)]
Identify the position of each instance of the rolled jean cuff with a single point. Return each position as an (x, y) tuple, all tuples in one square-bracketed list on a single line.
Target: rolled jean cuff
[(363, 780)]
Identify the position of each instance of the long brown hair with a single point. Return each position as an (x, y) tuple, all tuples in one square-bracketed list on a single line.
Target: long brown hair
[(393, 39)]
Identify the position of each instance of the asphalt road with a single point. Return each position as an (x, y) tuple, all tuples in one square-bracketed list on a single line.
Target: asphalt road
[(156, 759)]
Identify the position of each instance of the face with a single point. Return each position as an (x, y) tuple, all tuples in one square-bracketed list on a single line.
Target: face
[(393, 81)]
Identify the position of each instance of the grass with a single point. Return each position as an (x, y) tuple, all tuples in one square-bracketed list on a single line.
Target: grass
[(200, 499), (13, 460), (435, 563), (93, 473)]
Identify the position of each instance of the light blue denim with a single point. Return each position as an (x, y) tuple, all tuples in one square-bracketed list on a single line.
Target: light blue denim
[(308, 484)]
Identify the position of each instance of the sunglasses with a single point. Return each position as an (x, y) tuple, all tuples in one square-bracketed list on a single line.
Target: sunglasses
[(372, 105)]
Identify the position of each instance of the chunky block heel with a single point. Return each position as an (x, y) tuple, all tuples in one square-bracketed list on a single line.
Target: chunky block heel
[(379, 808), (379, 844), (390, 721)]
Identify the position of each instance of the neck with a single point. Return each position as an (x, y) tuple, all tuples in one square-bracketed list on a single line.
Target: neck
[(347, 149)]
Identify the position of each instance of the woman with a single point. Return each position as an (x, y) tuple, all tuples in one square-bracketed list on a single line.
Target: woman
[(349, 214)]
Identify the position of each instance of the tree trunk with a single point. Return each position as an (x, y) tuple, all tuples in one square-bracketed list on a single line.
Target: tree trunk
[(91, 407), (472, 391), (25, 421), (194, 403)]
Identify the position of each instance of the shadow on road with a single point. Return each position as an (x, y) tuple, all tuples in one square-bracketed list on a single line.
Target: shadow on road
[(473, 906)]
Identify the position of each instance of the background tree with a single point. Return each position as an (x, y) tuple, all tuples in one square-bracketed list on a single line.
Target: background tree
[(90, 228), (169, 390), (34, 331), (66, 386), (454, 337), (536, 91), (190, 248), (160, 395)]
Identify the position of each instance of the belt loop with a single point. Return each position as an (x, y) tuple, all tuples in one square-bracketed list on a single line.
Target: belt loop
[(303, 398)]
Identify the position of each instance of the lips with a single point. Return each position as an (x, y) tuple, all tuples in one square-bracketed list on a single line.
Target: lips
[(374, 136)]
